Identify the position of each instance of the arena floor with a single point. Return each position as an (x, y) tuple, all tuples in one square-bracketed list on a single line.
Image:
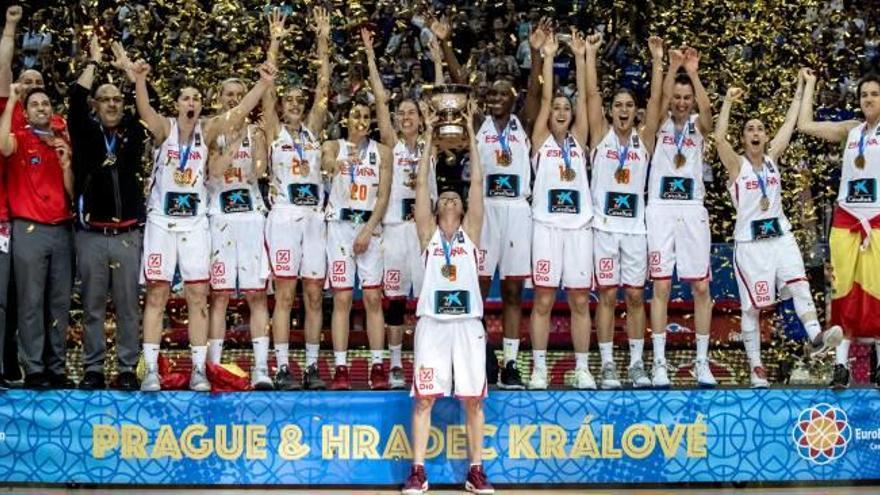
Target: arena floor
[(854, 490)]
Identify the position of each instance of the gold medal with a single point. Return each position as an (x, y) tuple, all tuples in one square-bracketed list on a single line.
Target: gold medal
[(568, 174), (504, 159), (411, 180), (765, 203), (448, 272), (620, 175), (860, 161), (110, 160), (304, 168), (180, 177), (680, 160)]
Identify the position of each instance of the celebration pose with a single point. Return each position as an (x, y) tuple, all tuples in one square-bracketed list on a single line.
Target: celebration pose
[(621, 154), (295, 230), (855, 232), (177, 233), (562, 209), (766, 256), (449, 337), (678, 224)]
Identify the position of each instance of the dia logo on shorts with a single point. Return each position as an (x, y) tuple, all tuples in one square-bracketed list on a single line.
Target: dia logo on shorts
[(762, 288)]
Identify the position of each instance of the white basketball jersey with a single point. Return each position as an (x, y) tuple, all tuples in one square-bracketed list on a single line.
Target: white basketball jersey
[(752, 221), (671, 184), (507, 175), (237, 191), (450, 293), (858, 186), (402, 201), (562, 190), (177, 186), (619, 191), (354, 188), (296, 181)]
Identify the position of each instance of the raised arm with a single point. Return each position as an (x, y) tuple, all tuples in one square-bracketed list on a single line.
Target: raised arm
[(7, 140), (581, 127), (728, 156), (540, 35), (676, 60), (442, 31), (783, 135), (383, 113), (655, 113), (704, 106), (261, 153), (329, 165), (540, 130), (235, 117), (436, 54), (158, 126), (318, 113), (87, 77), (598, 124), (277, 33), (473, 218), (829, 131), (422, 213), (7, 48)]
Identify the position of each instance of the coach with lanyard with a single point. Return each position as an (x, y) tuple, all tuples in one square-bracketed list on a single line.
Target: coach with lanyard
[(110, 208)]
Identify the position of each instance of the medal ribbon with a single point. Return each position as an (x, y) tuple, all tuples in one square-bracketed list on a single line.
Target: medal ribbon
[(109, 146), (447, 248), (184, 153), (622, 153), (298, 145), (679, 140), (566, 152), (862, 140), (762, 181), (502, 139)]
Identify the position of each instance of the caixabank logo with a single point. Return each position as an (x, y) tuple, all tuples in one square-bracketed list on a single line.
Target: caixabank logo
[(821, 433)]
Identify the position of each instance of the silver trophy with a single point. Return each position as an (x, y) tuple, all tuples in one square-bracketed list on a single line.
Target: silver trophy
[(449, 102)]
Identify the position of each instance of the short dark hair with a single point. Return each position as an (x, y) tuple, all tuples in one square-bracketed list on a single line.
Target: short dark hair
[(624, 89), (684, 79), (33, 91), (869, 77)]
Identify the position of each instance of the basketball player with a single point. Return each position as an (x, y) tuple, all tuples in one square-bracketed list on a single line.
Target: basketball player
[(449, 337), (360, 170), (678, 224), (562, 209), (620, 157), (401, 258), (295, 230), (855, 259), (176, 233), (766, 256)]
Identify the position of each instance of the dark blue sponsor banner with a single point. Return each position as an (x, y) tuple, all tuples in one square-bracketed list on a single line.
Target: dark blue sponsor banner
[(361, 438)]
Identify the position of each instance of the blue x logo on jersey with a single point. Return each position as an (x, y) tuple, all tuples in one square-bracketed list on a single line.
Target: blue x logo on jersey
[(503, 181), (182, 201), (452, 299), (357, 216), (304, 191), (678, 185), (237, 197), (861, 187), (768, 227), (564, 197), (621, 201)]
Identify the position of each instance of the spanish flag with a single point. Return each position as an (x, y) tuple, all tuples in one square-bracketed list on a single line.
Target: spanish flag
[(855, 260)]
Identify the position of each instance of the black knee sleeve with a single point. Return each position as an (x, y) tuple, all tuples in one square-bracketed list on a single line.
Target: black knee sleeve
[(394, 315)]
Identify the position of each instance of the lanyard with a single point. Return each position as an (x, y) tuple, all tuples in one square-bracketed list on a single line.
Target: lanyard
[(298, 146), (566, 152), (184, 153), (447, 248), (622, 153), (502, 139), (109, 146), (762, 180), (679, 139)]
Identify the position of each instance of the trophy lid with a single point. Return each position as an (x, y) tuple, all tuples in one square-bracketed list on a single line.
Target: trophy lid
[(446, 88)]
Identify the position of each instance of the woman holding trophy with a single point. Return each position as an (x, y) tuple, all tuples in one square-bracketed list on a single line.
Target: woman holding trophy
[(562, 211)]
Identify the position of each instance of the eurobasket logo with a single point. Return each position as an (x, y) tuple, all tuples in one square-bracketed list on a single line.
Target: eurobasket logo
[(821, 433)]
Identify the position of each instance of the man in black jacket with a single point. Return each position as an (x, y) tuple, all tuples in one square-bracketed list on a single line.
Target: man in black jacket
[(108, 145)]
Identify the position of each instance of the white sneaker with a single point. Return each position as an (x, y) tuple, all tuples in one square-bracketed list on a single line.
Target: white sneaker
[(827, 340), (610, 381), (703, 374), (198, 381), (659, 377), (759, 377), (151, 382), (638, 376), (260, 379), (538, 380), (583, 380)]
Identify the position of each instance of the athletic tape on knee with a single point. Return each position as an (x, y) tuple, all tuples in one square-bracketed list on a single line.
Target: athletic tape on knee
[(394, 315)]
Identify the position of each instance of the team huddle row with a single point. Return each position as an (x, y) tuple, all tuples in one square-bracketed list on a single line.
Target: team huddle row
[(568, 201)]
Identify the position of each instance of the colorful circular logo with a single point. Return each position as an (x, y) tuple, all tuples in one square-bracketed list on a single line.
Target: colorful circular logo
[(821, 433)]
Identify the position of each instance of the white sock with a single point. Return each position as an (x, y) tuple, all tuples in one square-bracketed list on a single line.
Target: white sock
[(813, 329), (636, 347), (151, 355), (199, 354), (312, 353), (582, 360), (511, 349), (376, 357), (215, 350), (282, 354), (396, 355), (843, 353), (659, 341), (702, 347), (539, 358), (340, 358), (606, 351), (261, 351), (752, 343)]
